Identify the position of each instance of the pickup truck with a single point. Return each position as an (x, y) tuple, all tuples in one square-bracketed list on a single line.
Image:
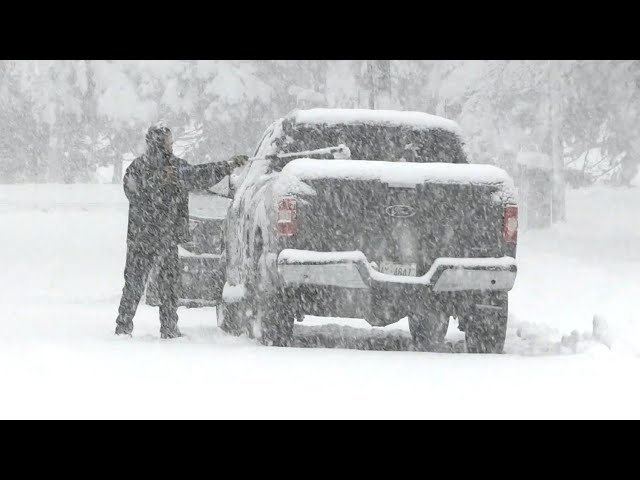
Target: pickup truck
[(369, 214)]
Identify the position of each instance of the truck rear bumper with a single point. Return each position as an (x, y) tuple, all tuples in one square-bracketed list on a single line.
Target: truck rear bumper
[(353, 270)]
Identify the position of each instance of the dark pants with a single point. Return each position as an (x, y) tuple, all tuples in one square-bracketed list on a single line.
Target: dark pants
[(140, 261)]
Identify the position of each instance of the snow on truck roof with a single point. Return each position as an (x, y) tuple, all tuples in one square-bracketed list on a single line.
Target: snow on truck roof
[(337, 116)]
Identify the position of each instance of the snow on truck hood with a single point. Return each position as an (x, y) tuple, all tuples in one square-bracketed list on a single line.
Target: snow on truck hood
[(398, 173), (338, 116)]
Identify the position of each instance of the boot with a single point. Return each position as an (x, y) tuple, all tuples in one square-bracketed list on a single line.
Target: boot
[(170, 332), (169, 322), (124, 327)]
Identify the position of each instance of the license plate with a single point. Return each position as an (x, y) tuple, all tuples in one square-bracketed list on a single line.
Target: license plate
[(402, 269)]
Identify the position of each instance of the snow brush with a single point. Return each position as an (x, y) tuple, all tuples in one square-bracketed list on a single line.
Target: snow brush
[(341, 152)]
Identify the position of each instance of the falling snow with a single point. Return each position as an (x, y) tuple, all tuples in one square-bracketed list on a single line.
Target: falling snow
[(358, 250)]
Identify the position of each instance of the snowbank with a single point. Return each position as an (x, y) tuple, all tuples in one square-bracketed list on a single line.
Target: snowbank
[(585, 267), (61, 280)]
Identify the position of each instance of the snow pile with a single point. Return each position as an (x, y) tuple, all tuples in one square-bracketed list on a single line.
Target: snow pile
[(61, 282), (529, 339), (584, 268), (621, 337), (336, 116)]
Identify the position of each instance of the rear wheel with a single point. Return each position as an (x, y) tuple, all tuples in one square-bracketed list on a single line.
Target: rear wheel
[(231, 318), (428, 329), (272, 319), (486, 328)]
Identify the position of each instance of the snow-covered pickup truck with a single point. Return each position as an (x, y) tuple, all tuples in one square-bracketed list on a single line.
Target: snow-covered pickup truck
[(395, 223)]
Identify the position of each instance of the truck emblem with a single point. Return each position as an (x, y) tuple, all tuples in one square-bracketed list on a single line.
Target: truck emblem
[(400, 211)]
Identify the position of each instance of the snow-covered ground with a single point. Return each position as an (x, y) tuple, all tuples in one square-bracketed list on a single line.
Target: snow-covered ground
[(63, 254)]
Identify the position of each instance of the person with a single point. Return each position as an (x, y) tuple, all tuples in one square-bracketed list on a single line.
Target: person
[(157, 185)]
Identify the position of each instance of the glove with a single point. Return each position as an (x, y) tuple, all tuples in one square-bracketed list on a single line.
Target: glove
[(237, 161)]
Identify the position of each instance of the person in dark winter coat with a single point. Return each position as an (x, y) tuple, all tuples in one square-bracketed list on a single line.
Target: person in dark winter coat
[(157, 185)]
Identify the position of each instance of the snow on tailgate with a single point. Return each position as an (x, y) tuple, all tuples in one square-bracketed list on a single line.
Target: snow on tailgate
[(335, 116), (399, 173)]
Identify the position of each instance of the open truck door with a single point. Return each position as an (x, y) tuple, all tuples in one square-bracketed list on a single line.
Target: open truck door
[(202, 260)]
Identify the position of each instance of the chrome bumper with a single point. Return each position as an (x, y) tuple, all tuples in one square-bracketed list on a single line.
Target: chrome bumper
[(353, 270)]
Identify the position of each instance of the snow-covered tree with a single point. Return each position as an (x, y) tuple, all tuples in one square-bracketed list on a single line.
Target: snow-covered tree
[(67, 117)]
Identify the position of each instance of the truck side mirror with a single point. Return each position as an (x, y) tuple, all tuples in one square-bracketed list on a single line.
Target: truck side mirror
[(231, 189), (224, 188)]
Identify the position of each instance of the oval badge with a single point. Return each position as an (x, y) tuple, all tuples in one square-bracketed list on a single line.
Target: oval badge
[(400, 211)]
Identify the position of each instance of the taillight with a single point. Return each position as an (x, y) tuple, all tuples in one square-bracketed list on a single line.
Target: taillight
[(510, 224), (286, 217)]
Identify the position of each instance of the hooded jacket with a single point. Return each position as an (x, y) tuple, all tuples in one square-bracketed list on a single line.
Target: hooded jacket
[(157, 185)]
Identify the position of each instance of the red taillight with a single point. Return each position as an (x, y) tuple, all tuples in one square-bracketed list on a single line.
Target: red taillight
[(286, 217), (510, 224)]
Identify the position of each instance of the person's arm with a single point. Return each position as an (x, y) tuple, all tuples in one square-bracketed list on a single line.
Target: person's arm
[(130, 183), (206, 175)]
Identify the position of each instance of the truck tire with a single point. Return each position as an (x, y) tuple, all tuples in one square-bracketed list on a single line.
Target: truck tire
[(231, 318), (272, 320), (486, 330), (428, 329)]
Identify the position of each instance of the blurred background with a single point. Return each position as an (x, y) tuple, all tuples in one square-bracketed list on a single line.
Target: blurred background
[(551, 124)]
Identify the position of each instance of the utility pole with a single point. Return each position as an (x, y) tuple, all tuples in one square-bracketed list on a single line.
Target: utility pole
[(379, 80), (558, 212), (371, 80)]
